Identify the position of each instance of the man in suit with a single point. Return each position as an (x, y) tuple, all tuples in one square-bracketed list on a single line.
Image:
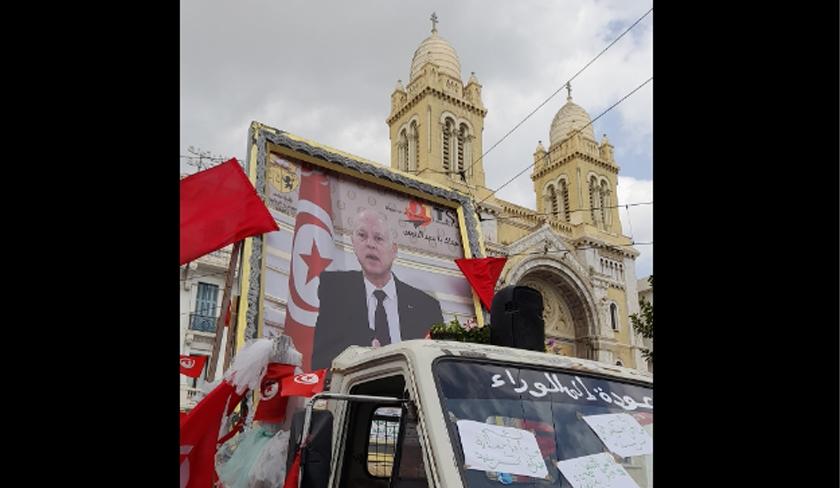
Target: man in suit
[(369, 307)]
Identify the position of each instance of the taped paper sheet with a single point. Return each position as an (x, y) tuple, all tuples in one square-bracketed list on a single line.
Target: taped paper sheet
[(503, 449), (621, 433), (596, 471)]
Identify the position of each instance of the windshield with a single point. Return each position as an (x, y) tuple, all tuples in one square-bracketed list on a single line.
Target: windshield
[(534, 426)]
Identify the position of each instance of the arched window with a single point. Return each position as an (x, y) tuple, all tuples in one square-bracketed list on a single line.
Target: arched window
[(614, 316), (402, 151), (413, 156), (463, 134), (593, 200), (619, 363), (604, 203), (564, 195), (448, 134), (552, 201)]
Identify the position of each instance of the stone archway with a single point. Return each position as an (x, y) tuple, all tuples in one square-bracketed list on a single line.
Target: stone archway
[(569, 309)]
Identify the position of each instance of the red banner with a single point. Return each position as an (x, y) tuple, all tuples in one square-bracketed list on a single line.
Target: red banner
[(219, 206), (482, 273)]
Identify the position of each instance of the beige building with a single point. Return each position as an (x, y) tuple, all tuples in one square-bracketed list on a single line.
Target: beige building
[(571, 248)]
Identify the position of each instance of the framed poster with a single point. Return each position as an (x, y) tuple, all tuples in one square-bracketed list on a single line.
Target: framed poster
[(364, 255)]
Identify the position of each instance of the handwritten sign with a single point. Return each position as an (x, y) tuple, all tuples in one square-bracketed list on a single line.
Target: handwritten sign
[(575, 390), (621, 433), (596, 471), (503, 449)]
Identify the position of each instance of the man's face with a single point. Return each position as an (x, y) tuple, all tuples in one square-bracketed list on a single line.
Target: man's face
[(373, 246)]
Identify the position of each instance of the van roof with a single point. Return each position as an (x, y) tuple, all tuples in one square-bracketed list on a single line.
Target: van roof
[(425, 351)]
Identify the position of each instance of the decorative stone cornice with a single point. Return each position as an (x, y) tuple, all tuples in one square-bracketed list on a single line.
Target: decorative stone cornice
[(551, 165), (625, 251), (547, 236), (439, 94), (606, 282)]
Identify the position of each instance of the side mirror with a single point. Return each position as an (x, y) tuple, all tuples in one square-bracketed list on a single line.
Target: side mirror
[(316, 457)]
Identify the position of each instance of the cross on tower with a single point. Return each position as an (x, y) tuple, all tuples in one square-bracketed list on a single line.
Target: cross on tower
[(569, 89), (434, 20)]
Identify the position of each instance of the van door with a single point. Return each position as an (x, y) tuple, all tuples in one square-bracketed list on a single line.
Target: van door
[(381, 447)]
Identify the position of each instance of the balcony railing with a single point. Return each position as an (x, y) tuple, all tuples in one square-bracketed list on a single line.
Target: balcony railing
[(190, 396), (202, 323)]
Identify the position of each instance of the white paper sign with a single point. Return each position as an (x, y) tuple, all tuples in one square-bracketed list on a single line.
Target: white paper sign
[(503, 449), (621, 433), (596, 471)]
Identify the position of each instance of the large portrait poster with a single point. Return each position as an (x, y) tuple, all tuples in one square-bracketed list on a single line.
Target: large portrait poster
[(355, 263)]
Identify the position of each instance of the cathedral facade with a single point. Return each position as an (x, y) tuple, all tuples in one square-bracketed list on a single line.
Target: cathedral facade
[(571, 248)]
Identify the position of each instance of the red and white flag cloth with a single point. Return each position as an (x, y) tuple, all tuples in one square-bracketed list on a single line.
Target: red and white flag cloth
[(192, 365), (305, 384), (200, 433), (312, 250), (272, 406), (294, 472)]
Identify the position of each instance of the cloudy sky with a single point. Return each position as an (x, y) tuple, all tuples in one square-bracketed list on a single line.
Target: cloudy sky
[(325, 70)]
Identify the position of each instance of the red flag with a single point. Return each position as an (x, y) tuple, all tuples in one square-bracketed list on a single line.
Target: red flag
[(305, 384), (294, 472), (219, 206), (272, 406), (482, 273), (199, 435), (192, 365), (312, 247)]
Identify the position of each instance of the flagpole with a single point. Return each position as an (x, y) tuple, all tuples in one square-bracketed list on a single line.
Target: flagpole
[(220, 322), (232, 326)]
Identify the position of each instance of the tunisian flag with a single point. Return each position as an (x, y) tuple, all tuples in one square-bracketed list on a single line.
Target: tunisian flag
[(304, 384), (272, 406), (219, 206), (192, 365), (312, 247), (482, 273), (200, 433)]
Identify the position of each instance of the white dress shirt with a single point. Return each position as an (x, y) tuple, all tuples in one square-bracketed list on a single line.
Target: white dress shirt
[(390, 304)]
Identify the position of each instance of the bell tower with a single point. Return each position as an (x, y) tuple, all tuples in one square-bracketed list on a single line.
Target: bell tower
[(436, 121)]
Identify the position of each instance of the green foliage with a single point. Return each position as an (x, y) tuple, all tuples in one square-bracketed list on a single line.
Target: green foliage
[(643, 322), (454, 331)]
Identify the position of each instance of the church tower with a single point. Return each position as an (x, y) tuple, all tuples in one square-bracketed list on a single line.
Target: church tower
[(576, 179), (436, 121)]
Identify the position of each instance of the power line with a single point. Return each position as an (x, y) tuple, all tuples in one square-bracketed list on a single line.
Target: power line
[(211, 159), (555, 92), (582, 248), (505, 217), (218, 307), (575, 132), (630, 222)]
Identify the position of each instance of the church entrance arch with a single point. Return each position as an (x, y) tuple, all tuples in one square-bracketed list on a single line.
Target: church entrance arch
[(569, 311)]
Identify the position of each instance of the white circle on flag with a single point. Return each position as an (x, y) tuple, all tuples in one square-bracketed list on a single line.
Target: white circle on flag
[(306, 379), (187, 362), (270, 390), (304, 237)]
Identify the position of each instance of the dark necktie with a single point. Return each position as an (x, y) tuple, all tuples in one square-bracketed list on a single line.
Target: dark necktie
[(380, 320)]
